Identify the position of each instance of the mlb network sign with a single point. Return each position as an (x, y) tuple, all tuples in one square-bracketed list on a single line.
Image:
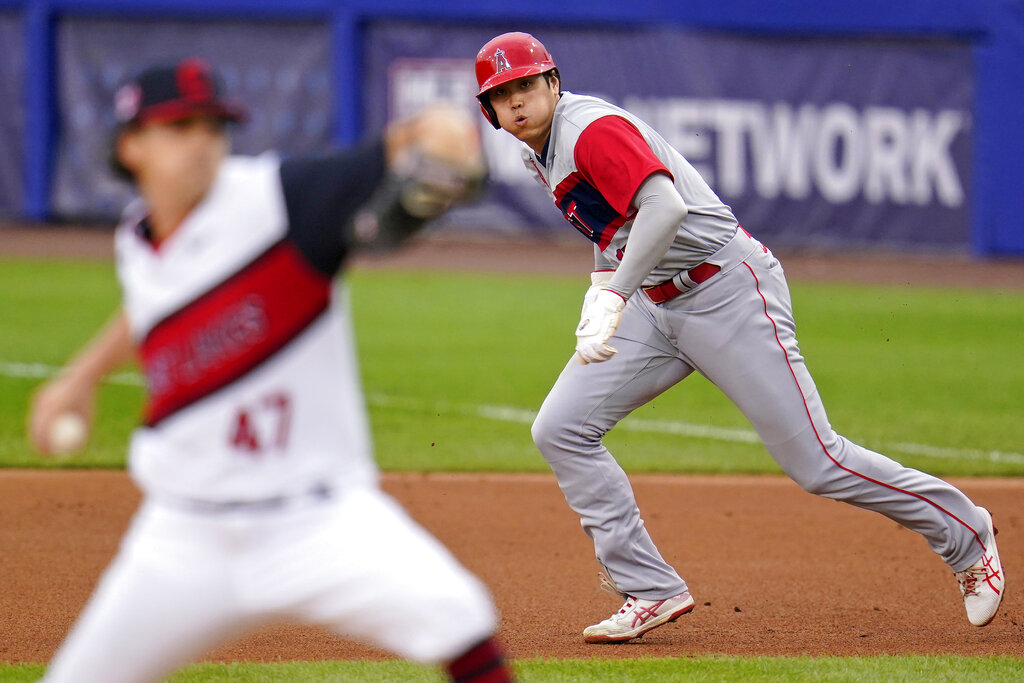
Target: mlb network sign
[(847, 144), (836, 151)]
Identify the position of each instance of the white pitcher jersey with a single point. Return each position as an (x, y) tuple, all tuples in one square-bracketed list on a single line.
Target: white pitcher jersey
[(252, 388), (597, 157)]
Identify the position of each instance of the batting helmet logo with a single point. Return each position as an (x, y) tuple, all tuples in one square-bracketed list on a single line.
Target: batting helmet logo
[(501, 61)]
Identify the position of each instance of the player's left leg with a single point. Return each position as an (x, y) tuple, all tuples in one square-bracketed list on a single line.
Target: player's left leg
[(362, 567), (752, 355)]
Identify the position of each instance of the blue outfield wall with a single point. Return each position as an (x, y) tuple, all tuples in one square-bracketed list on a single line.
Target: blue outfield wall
[(990, 32)]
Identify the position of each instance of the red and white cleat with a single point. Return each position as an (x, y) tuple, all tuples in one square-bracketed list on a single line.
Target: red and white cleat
[(983, 583), (638, 616)]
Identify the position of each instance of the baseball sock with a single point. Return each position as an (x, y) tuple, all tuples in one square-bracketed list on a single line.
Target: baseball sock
[(483, 663)]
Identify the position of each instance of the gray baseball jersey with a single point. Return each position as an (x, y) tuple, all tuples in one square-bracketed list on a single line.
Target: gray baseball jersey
[(596, 158), (727, 315)]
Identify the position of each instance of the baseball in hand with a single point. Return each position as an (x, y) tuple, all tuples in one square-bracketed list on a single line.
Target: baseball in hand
[(67, 434)]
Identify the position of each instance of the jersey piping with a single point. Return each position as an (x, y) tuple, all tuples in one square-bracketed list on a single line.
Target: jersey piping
[(824, 448)]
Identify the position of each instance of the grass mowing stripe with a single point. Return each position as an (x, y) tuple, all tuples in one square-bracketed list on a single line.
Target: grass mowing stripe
[(930, 376), (526, 416), (729, 434)]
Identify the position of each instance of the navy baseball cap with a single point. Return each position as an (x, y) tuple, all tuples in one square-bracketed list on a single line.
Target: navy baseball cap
[(162, 94)]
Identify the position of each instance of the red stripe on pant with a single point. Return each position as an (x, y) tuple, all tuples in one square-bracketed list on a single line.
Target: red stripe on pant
[(757, 285)]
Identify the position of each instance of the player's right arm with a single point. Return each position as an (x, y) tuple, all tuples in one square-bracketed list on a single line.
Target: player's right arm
[(659, 211), (613, 156), (73, 389)]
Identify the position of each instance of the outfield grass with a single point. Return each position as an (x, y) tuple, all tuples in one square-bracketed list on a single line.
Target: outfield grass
[(454, 365)]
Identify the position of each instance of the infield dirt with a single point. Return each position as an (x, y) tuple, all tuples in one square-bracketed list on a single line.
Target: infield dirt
[(774, 570)]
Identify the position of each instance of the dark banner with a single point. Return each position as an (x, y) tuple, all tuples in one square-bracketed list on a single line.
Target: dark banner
[(12, 122), (826, 142), (281, 70)]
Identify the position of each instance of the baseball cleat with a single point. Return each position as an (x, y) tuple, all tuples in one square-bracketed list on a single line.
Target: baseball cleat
[(637, 617), (983, 583)]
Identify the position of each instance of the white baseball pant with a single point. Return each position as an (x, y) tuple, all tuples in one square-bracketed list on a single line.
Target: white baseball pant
[(184, 582)]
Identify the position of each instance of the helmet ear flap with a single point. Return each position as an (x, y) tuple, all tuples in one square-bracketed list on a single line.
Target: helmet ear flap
[(488, 110)]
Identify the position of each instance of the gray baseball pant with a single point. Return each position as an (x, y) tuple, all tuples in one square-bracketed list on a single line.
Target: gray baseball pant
[(737, 330)]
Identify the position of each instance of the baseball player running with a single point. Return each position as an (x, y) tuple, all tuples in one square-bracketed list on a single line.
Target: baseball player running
[(678, 286), (260, 492)]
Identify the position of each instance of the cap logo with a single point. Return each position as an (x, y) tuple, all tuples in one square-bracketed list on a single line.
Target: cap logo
[(127, 101), (194, 81), (500, 61)]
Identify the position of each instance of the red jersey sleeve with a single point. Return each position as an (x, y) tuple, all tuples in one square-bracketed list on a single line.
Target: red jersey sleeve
[(613, 156)]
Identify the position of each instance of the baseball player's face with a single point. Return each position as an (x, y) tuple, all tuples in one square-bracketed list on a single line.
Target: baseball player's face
[(525, 108), (175, 161)]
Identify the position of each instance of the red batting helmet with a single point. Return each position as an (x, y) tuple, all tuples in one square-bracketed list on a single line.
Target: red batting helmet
[(506, 58)]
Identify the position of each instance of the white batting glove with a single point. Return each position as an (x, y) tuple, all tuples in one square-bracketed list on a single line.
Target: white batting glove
[(598, 280), (600, 318)]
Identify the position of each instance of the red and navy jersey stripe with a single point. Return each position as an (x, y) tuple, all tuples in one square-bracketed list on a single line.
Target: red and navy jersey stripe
[(612, 161), (231, 329), (587, 210), (240, 323)]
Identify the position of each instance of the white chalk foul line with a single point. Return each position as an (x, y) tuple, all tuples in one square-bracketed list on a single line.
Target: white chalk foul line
[(526, 416), (42, 370), (698, 431)]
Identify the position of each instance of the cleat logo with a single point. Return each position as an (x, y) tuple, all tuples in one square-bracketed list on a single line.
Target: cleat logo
[(642, 615), (500, 61), (992, 574)]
